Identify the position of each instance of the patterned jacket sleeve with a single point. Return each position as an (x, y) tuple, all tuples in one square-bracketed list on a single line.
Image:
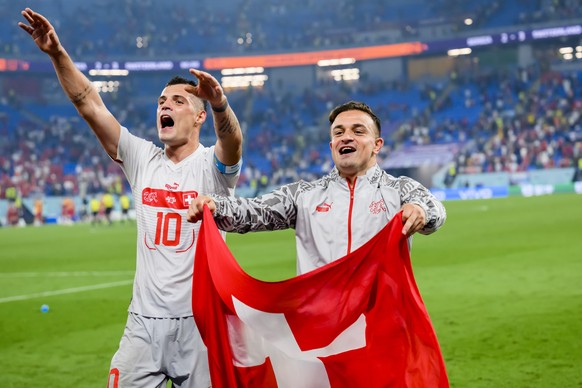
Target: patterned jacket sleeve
[(273, 211), (413, 192)]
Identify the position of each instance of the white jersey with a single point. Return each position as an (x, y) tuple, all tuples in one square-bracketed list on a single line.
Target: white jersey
[(166, 242)]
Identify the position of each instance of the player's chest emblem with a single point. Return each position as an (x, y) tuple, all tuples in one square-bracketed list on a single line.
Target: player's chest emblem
[(376, 207), (168, 199)]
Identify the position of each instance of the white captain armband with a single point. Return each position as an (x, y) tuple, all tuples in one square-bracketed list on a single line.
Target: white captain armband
[(227, 170)]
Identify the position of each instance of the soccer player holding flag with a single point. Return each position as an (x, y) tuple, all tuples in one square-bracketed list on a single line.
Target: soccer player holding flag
[(354, 315), (161, 341)]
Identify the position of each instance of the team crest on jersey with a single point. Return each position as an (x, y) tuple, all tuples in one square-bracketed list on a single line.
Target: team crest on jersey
[(162, 198), (323, 208), (376, 207), (150, 197), (189, 196)]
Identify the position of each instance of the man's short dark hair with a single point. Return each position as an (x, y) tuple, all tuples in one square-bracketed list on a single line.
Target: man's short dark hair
[(355, 105), (177, 80)]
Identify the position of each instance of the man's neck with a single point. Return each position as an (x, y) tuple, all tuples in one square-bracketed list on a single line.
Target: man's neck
[(351, 178), (177, 154)]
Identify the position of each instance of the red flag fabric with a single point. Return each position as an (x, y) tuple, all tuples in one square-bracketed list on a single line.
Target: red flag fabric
[(357, 322)]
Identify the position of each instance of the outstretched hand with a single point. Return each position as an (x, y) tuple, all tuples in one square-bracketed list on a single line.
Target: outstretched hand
[(413, 217), (41, 31), (196, 209), (208, 89)]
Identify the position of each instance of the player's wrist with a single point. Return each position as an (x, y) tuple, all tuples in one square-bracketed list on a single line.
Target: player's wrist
[(222, 107)]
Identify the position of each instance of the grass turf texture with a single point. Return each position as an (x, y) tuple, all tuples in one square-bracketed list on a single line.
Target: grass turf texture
[(501, 281)]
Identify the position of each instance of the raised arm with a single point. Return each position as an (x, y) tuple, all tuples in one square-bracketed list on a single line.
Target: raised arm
[(228, 132), (77, 86)]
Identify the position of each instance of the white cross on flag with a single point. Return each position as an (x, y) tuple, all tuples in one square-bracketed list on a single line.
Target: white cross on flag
[(357, 322)]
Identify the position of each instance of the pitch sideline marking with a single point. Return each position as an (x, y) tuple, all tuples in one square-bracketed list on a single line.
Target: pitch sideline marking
[(65, 291), (63, 274)]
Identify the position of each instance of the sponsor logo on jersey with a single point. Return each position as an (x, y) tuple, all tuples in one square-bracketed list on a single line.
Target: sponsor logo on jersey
[(173, 186), (161, 198), (376, 207), (323, 208)]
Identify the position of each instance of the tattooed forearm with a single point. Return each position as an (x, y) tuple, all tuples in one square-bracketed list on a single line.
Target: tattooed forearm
[(77, 98), (226, 123)]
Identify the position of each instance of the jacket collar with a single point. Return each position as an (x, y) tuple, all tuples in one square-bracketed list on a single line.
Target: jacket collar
[(373, 175)]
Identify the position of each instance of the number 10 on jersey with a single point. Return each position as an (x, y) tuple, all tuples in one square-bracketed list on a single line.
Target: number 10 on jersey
[(168, 229)]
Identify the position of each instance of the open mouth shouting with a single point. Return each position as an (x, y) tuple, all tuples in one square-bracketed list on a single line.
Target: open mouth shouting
[(346, 150), (166, 121)]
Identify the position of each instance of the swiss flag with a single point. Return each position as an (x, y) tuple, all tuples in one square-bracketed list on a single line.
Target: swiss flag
[(357, 322)]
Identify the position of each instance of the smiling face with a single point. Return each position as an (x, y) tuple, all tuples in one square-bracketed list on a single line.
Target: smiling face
[(354, 143), (179, 116)]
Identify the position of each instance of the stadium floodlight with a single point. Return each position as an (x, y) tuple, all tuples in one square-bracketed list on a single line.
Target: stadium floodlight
[(109, 72), (336, 62), (106, 86), (457, 52), (243, 81), (242, 70), (345, 74)]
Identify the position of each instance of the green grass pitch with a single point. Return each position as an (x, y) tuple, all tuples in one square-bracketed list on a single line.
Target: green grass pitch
[(502, 282)]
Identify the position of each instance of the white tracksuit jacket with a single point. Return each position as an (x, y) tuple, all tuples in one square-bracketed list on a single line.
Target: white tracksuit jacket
[(331, 218)]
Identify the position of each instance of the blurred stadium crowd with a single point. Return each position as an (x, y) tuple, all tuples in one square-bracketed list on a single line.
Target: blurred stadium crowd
[(507, 118), (244, 26)]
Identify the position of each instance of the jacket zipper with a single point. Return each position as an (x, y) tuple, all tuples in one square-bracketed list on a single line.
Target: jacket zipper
[(352, 188)]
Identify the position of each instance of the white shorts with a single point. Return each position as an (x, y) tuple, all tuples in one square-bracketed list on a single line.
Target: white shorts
[(155, 350)]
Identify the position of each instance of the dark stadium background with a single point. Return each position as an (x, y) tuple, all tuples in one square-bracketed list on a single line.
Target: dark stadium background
[(478, 100), (510, 107)]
